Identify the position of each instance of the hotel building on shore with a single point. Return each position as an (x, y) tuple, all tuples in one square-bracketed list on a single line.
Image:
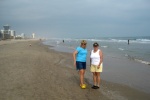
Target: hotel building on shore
[(6, 33)]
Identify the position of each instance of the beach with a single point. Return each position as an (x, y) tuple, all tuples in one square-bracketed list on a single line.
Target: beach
[(38, 73), (123, 64)]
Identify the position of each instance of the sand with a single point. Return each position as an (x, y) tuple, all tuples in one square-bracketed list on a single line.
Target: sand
[(38, 73)]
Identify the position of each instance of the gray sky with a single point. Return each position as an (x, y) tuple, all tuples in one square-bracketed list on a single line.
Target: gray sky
[(77, 18)]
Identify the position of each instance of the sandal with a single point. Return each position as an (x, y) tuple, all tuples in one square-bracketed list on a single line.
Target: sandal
[(83, 86)]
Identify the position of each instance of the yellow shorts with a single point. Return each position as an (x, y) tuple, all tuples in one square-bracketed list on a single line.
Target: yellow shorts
[(95, 69)]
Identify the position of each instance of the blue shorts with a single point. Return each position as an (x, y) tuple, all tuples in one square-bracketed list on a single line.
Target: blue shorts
[(80, 65)]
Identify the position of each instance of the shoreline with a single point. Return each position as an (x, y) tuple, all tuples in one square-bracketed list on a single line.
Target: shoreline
[(38, 72), (117, 69)]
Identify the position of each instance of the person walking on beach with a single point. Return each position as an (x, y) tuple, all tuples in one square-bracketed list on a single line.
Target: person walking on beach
[(79, 57), (96, 63)]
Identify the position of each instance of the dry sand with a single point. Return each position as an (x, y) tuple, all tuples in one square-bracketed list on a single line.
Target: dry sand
[(38, 73)]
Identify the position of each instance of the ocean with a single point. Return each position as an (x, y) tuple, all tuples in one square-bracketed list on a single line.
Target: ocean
[(124, 63), (138, 49)]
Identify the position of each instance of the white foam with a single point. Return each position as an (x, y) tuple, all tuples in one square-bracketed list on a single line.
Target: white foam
[(58, 42), (121, 40), (141, 61), (121, 49), (104, 46), (138, 60), (145, 41)]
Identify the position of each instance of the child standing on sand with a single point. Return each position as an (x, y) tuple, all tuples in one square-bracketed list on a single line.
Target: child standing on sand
[(79, 57)]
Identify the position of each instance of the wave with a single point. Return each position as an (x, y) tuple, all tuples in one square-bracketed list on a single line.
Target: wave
[(104, 46), (142, 41), (138, 60), (145, 41), (141, 61), (121, 49), (58, 42), (119, 40)]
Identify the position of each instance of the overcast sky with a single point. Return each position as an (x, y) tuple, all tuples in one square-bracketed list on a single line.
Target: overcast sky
[(77, 18)]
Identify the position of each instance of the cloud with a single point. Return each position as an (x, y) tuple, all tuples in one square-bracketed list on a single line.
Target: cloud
[(56, 17)]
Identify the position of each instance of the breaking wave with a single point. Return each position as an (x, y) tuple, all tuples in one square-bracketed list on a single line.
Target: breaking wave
[(121, 49), (137, 60), (146, 41)]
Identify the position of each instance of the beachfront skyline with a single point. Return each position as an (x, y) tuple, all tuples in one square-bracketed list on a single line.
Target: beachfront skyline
[(77, 18)]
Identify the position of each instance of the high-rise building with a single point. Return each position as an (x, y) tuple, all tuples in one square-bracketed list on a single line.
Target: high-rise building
[(6, 27), (6, 33)]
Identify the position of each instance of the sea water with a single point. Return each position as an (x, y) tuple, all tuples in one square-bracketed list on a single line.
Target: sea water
[(123, 63), (138, 48)]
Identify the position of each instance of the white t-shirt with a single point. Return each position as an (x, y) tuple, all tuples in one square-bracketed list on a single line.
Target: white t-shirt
[(95, 57)]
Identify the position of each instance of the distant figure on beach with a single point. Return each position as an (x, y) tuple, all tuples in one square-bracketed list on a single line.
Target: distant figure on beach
[(128, 41), (96, 63), (79, 57), (63, 41)]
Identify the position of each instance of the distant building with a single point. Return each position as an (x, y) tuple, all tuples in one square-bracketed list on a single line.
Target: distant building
[(6, 27), (18, 37), (2, 34), (6, 33), (22, 35), (12, 34), (33, 35)]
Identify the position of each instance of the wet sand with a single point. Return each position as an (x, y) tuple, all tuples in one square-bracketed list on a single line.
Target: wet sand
[(38, 73)]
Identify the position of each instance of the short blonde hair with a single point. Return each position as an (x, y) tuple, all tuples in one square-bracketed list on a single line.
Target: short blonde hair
[(83, 42)]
